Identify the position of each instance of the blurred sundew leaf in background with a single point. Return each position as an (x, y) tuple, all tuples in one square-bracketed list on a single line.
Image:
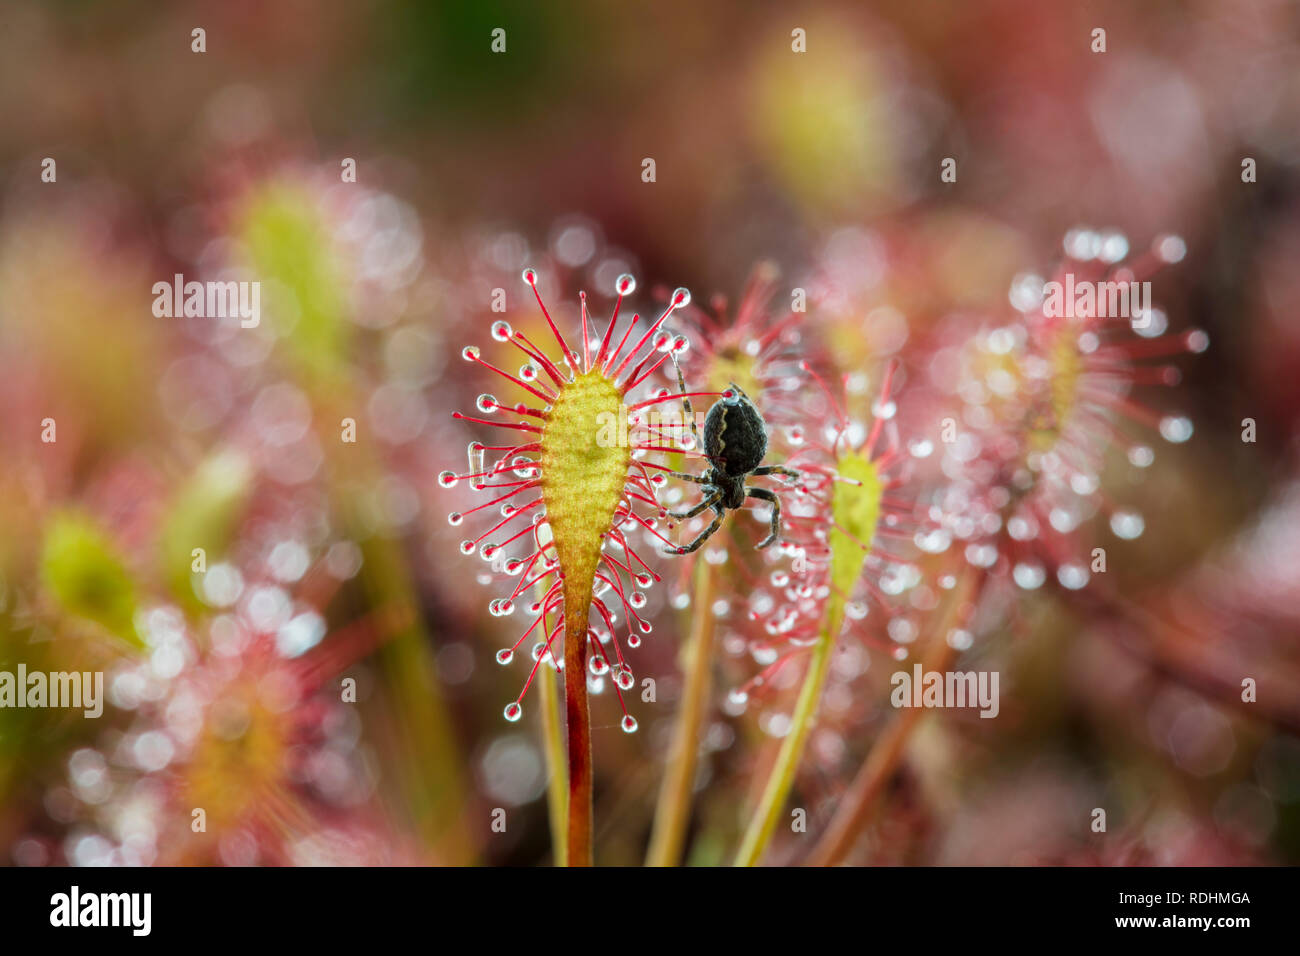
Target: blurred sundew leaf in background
[(203, 514), (855, 507), (825, 123), (942, 262), (79, 313), (291, 250), (303, 291), (86, 576)]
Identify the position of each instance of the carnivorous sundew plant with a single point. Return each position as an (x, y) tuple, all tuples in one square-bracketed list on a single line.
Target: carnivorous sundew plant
[(844, 532), (574, 486), (1047, 397), (599, 475), (756, 348), (358, 506)]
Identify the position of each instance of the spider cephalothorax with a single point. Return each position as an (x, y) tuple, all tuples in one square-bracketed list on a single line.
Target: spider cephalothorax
[(735, 442)]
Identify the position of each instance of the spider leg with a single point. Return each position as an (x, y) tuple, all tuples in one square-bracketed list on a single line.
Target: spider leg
[(766, 495), (708, 501), (776, 470), (686, 402), (698, 479), (703, 536)]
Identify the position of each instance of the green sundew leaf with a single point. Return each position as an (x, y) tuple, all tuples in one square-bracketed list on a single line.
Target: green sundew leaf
[(83, 571), (855, 506), (584, 468), (855, 509), (203, 515), (733, 366), (293, 256)]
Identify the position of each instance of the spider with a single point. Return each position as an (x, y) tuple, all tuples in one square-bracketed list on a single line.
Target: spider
[(735, 441)]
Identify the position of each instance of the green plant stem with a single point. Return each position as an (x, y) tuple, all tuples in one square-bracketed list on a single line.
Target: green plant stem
[(781, 779), (672, 814), (877, 770), (855, 809), (427, 761)]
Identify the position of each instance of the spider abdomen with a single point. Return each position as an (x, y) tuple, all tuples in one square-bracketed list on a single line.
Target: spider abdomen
[(735, 437)]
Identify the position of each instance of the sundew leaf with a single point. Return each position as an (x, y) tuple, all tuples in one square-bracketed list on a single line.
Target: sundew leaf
[(582, 483), (86, 576), (855, 507), (732, 366), (203, 515), (291, 253)]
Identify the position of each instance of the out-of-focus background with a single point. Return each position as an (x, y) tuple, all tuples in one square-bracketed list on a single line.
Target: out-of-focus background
[(327, 560)]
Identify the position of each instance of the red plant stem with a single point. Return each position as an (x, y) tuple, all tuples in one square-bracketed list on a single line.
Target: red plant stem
[(578, 725)]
